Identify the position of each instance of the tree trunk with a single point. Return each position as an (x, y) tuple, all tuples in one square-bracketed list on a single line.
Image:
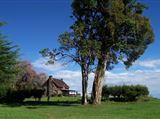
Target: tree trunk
[(98, 82), (84, 70)]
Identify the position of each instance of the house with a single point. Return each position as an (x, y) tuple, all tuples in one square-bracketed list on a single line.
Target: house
[(55, 86)]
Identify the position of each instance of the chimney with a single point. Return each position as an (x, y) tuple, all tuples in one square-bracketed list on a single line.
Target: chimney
[(50, 76)]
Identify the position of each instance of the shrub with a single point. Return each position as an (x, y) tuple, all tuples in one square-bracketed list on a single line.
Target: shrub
[(105, 93), (16, 96), (124, 93), (3, 90), (37, 93), (19, 96)]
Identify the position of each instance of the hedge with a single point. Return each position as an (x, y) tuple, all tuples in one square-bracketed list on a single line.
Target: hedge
[(20, 95), (124, 93)]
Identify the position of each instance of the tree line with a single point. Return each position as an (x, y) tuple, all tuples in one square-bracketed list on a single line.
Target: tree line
[(124, 93)]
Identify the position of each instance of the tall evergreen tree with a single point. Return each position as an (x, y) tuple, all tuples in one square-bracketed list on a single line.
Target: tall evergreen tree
[(8, 62)]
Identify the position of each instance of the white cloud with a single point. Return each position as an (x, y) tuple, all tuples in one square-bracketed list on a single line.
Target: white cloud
[(42, 65), (148, 77), (74, 79), (149, 63)]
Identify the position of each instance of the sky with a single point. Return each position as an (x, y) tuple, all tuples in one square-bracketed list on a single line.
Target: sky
[(36, 24)]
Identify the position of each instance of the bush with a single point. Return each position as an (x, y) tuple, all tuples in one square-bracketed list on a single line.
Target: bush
[(37, 93), (16, 96), (3, 90), (105, 93), (144, 98), (19, 96), (124, 93)]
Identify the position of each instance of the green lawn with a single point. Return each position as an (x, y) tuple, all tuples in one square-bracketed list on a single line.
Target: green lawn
[(60, 108)]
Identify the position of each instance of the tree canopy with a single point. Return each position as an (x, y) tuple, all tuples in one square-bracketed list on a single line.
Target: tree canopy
[(119, 26)]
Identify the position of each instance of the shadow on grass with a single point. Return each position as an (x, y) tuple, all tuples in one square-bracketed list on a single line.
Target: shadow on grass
[(41, 104)]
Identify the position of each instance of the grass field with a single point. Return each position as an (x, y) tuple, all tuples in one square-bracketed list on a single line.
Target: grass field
[(67, 108)]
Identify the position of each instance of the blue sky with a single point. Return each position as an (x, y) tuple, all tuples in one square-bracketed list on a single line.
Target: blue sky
[(36, 24)]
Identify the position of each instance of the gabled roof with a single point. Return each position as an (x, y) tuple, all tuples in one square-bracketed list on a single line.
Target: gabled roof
[(60, 83)]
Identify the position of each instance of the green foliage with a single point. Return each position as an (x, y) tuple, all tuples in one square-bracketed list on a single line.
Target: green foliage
[(3, 90), (8, 62), (119, 25), (105, 92), (124, 93)]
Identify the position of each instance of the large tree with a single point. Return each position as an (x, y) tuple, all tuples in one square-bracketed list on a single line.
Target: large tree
[(8, 62), (75, 46), (120, 28), (104, 33)]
